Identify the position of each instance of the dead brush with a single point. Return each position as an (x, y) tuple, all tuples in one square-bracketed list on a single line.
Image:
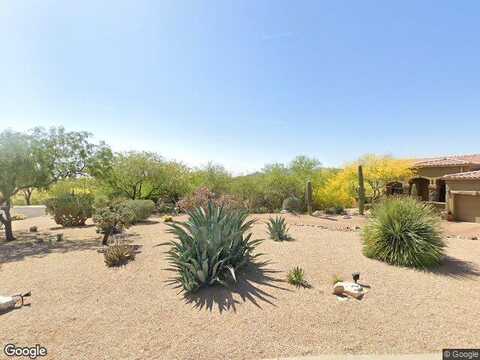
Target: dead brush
[(118, 254)]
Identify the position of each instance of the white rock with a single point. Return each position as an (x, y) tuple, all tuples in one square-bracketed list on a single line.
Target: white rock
[(348, 288)]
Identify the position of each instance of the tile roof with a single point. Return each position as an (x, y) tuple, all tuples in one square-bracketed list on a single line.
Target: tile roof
[(470, 175), (454, 160)]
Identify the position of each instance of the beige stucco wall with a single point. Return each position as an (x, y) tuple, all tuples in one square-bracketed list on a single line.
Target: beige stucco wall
[(435, 172), (464, 207), (464, 185)]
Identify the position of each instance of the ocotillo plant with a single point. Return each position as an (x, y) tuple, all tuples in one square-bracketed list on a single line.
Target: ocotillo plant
[(308, 197), (361, 191)]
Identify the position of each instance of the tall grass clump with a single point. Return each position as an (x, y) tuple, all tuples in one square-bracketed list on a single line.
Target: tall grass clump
[(277, 229), (210, 247), (405, 232), (296, 276)]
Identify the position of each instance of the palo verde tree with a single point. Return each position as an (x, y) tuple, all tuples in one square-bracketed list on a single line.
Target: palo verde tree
[(40, 158)]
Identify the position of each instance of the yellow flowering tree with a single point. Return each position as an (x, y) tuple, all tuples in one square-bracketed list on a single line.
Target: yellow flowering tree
[(342, 189)]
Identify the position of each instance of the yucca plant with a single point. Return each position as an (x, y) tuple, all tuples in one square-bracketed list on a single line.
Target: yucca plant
[(405, 232), (296, 276), (277, 229), (211, 247)]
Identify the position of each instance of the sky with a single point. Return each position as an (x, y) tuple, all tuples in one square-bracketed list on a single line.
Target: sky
[(244, 83)]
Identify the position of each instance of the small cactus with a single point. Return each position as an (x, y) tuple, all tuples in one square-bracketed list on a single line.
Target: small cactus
[(361, 191), (308, 197)]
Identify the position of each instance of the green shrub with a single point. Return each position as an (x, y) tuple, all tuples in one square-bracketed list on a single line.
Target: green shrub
[(165, 207), (203, 196), (260, 210), (296, 276), (113, 219), (335, 210), (292, 204), (277, 229), (71, 209), (142, 209), (404, 232), (168, 219), (118, 254), (212, 245)]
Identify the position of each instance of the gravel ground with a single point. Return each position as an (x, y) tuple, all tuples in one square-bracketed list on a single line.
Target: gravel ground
[(80, 309)]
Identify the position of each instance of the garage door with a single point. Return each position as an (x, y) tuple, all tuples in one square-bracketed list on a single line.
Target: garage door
[(467, 208)]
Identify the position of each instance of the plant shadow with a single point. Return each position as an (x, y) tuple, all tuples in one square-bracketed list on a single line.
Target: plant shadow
[(41, 244), (60, 227), (148, 222), (456, 268), (252, 285)]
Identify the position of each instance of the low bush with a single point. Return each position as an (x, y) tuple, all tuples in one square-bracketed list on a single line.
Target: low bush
[(203, 196), (141, 209), (71, 209), (118, 254), (168, 219), (335, 210), (211, 247), (404, 232), (165, 207), (292, 204), (277, 229), (260, 210), (113, 219), (296, 276)]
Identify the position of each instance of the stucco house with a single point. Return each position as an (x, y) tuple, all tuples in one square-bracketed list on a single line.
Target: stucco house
[(451, 183)]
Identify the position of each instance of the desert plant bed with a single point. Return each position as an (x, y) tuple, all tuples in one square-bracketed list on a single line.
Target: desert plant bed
[(130, 312)]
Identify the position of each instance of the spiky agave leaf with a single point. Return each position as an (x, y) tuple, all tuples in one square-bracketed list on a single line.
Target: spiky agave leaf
[(210, 246)]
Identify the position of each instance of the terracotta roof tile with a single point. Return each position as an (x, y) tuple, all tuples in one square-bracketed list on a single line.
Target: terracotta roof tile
[(453, 160), (470, 175)]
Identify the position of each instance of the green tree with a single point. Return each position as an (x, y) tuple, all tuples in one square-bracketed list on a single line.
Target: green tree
[(214, 177), (304, 168), (278, 184), (135, 175), (40, 158)]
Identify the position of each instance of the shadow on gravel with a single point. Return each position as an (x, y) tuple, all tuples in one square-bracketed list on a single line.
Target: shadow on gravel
[(246, 289), (38, 245), (457, 268), (59, 227)]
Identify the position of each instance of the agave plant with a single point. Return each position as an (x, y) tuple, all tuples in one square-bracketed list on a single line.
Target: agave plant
[(211, 247), (277, 228)]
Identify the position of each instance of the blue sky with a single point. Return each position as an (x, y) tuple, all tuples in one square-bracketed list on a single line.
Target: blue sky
[(244, 83)]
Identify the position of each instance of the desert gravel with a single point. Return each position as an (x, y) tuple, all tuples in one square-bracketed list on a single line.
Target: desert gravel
[(80, 309)]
